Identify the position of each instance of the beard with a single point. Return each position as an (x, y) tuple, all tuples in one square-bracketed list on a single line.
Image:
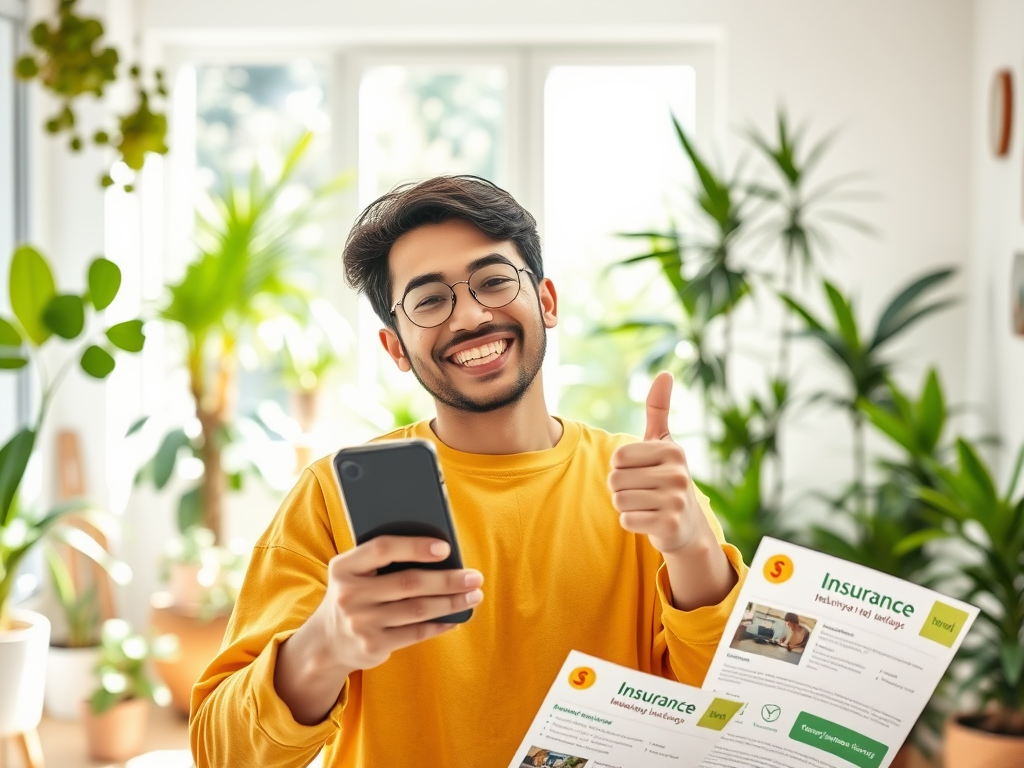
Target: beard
[(431, 374)]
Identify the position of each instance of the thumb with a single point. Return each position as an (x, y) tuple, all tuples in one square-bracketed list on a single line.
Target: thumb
[(657, 407)]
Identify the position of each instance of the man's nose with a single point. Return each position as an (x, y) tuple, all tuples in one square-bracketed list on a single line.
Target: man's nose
[(468, 313)]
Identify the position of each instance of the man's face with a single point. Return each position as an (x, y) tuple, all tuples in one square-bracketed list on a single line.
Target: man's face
[(479, 359)]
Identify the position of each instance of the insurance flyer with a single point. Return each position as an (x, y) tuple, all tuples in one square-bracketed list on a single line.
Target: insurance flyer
[(835, 661), (602, 715)]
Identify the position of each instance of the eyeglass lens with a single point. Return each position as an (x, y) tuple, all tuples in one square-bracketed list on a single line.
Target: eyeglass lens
[(494, 285)]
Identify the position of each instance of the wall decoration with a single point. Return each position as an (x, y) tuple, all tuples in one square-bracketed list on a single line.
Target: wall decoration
[(1000, 124), (1017, 297)]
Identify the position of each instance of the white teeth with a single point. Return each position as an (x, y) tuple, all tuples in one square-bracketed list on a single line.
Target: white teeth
[(482, 354)]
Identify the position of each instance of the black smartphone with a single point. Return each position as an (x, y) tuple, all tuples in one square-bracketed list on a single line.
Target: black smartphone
[(395, 488)]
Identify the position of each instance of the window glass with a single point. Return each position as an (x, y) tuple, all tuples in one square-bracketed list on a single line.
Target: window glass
[(612, 164), (8, 237), (419, 121), (415, 122)]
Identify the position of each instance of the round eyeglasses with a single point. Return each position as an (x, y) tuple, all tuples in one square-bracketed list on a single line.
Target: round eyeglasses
[(430, 304)]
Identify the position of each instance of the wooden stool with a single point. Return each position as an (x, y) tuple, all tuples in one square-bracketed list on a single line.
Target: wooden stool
[(26, 746)]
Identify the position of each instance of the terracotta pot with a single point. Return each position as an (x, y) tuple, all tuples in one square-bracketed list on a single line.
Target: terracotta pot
[(198, 644), (186, 591), (70, 678), (966, 747), (118, 733), (23, 671)]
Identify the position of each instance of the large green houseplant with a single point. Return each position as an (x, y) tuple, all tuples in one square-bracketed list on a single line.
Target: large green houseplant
[(41, 318), (249, 268), (989, 527)]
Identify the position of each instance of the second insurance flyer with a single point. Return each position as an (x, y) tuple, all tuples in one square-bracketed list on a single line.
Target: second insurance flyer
[(823, 663)]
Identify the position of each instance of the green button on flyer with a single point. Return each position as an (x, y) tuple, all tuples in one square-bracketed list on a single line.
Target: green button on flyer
[(838, 740)]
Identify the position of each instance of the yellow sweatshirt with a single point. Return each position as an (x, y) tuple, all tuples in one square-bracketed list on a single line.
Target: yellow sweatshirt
[(559, 573)]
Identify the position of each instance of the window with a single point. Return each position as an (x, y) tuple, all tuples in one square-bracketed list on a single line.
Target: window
[(13, 405), (14, 392), (578, 135)]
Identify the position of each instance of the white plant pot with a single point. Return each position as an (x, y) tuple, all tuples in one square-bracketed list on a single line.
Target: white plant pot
[(23, 671), (70, 680)]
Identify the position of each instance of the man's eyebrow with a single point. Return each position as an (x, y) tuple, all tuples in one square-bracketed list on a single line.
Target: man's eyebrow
[(435, 277)]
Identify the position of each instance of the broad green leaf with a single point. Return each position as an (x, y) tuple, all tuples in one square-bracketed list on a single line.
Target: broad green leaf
[(127, 335), (13, 459), (32, 287), (973, 467), (60, 578), (12, 363), (917, 540), (104, 282), (78, 539), (97, 362), (1012, 656), (941, 502), (931, 412), (891, 321), (167, 456), (889, 424), (843, 311), (190, 509), (808, 318), (9, 336), (65, 316), (1015, 475)]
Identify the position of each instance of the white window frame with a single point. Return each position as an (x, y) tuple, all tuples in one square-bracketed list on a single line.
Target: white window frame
[(528, 54)]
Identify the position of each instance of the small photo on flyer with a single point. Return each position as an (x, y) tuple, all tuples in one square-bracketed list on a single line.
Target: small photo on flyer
[(773, 632), (538, 756)]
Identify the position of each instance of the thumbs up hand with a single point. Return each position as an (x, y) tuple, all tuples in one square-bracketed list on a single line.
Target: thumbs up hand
[(650, 481)]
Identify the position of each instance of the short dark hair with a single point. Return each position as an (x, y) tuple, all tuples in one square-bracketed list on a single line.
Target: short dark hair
[(480, 202), (792, 618)]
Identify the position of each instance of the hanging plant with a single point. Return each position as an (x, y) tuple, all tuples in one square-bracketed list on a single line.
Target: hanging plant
[(70, 61)]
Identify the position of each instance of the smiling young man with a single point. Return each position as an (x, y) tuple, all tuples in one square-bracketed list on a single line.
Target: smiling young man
[(579, 539)]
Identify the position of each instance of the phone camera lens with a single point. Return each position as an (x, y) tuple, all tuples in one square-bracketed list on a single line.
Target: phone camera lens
[(351, 470)]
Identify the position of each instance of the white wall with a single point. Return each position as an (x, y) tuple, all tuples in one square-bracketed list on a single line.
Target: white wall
[(995, 356), (895, 77)]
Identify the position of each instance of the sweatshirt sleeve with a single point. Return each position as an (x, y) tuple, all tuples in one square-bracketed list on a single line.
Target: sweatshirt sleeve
[(237, 717), (688, 639)]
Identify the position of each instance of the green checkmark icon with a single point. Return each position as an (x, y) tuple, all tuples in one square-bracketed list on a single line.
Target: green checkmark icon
[(770, 712)]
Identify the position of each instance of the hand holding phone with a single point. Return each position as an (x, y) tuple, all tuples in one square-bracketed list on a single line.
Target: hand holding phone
[(395, 488), (368, 616), (403, 582)]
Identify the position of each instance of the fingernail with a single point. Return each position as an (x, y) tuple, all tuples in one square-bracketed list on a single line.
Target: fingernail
[(474, 597), (439, 548), (474, 579)]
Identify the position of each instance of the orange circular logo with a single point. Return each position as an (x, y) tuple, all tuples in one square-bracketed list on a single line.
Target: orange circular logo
[(582, 677), (778, 569)]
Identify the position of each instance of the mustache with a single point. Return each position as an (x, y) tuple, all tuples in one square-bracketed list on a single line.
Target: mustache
[(487, 330)]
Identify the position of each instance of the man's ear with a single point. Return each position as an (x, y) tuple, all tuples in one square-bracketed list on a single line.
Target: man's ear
[(393, 346), (548, 302)]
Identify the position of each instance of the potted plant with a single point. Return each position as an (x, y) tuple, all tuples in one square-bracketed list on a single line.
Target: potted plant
[(311, 348), (204, 580), (71, 659), (40, 315), (249, 269), (115, 713), (990, 527)]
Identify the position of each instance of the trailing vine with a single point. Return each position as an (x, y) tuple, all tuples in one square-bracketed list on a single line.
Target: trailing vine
[(71, 61)]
